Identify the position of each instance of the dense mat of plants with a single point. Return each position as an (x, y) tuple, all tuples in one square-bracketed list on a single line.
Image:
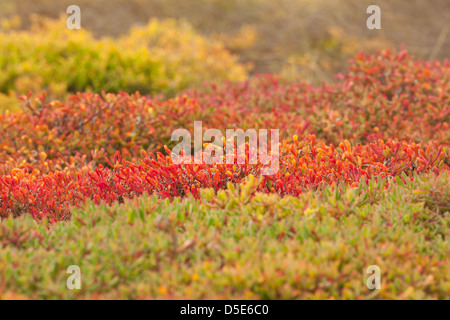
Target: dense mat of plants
[(53, 155), (303, 166), (230, 245), (162, 57), (363, 179)]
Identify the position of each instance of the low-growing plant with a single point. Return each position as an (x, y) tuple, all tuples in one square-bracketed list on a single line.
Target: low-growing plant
[(385, 96), (303, 166)]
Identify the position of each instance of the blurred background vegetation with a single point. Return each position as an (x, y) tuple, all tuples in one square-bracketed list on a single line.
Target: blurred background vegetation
[(162, 57), (312, 39)]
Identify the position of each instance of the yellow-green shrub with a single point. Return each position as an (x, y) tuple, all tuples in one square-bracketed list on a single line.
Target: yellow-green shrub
[(188, 58), (164, 57)]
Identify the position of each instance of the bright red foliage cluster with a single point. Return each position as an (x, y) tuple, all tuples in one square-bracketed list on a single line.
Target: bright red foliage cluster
[(52, 156), (303, 166)]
